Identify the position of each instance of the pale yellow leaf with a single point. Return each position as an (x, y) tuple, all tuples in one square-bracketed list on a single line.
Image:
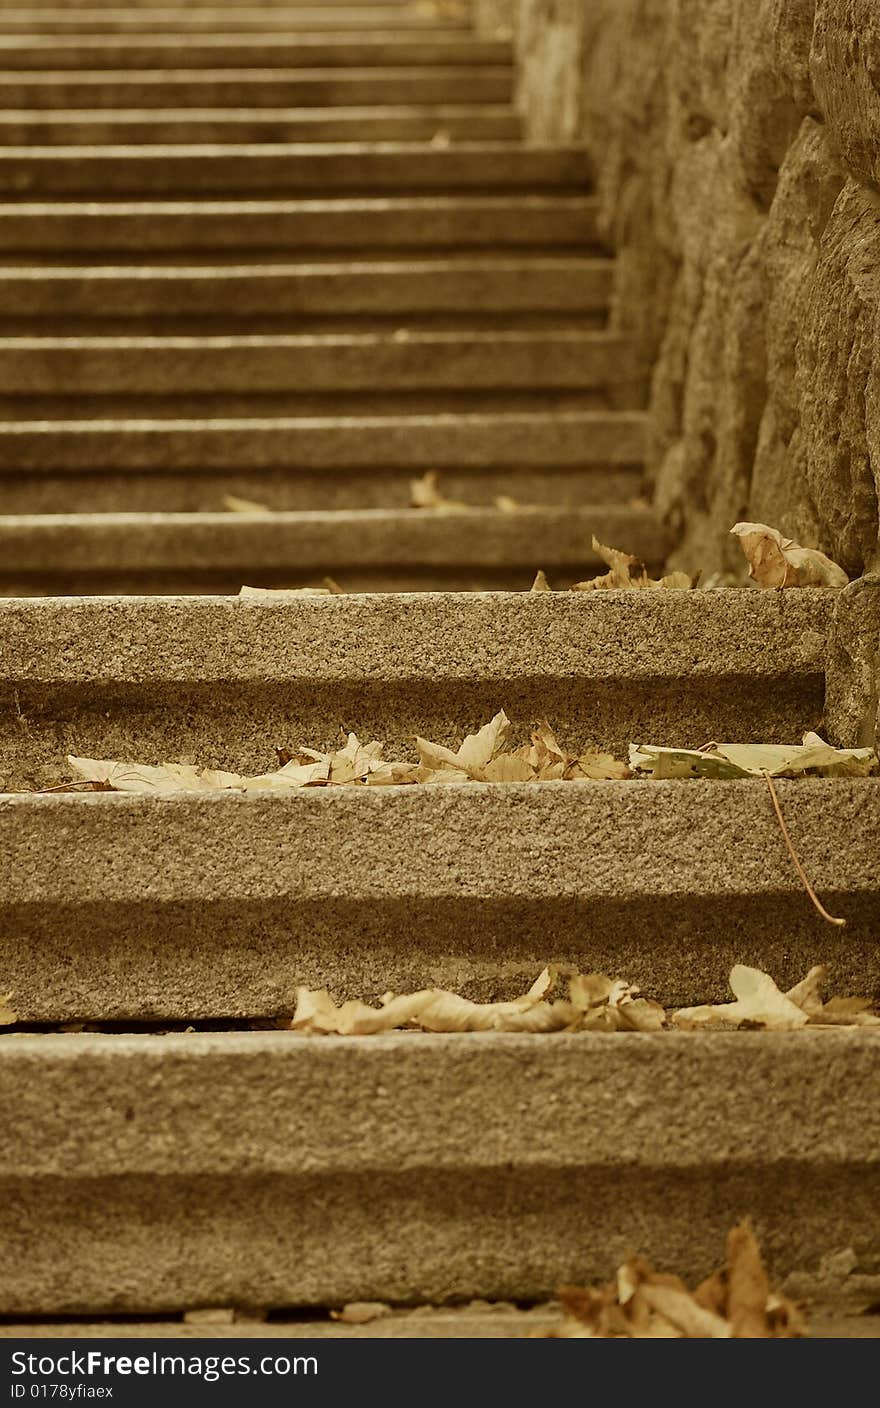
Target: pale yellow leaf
[(234, 504), (283, 593), (540, 583), (775, 561), (425, 494), (758, 1001), (681, 1310)]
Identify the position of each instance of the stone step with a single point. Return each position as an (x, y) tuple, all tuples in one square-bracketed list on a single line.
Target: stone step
[(489, 121), (128, 53), (266, 1169), (304, 168), (212, 907), (460, 222), (223, 680), (371, 549), (284, 363), (152, 18), (556, 458), (249, 292), (261, 87)]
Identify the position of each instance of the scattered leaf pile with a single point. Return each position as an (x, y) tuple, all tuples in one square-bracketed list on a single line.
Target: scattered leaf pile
[(775, 561), (425, 494), (738, 760), (594, 1003), (480, 758), (484, 757), (735, 1302)]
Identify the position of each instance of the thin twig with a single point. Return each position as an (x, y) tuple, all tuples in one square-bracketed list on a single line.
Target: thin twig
[(795, 858)]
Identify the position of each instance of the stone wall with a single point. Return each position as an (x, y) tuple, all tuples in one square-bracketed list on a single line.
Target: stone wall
[(737, 153)]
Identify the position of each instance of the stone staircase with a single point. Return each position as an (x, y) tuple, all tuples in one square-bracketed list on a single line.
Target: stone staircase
[(309, 266)]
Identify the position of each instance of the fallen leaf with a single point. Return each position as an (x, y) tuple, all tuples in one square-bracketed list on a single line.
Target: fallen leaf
[(181, 777), (361, 1312), (471, 759), (234, 504), (775, 561), (425, 494), (7, 1015), (629, 573), (540, 583), (748, 1288), (737, 760), (330, 588), (758, 1002)]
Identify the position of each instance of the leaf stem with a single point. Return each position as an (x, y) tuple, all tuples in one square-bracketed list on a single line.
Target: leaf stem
[(794, 856)]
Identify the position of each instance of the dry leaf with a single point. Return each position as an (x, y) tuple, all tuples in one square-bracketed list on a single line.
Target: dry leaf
[(540, 583), (8, 1017), (748, 1288), (736, 1302), (234, 504), (737, 760), (759, 1002), (474, 755), (425, 494), (629, 573), (330, 588), (181, 777), (595, 1003), (775, 561), (361, 1312)]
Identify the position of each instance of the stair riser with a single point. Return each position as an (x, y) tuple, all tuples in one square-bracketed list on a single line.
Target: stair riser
[(268, 1171), (51, 299), (404, 443), (131, 908), (274, 169), (300, 125), (221, 681), (20, 54), (428, 222), (213, 366), (248, 88), (210, 19), (388, 551), (334, 489)]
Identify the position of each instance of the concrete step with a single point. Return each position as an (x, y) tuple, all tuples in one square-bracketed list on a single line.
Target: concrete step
[(264, 1169), (210, 227), (59, 299), (371, 549), (287, 363), (554, 458), (304, 168), (151, 19), (216, 906), (223, 680), (489, 121), (255, 87), (70, 53)]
